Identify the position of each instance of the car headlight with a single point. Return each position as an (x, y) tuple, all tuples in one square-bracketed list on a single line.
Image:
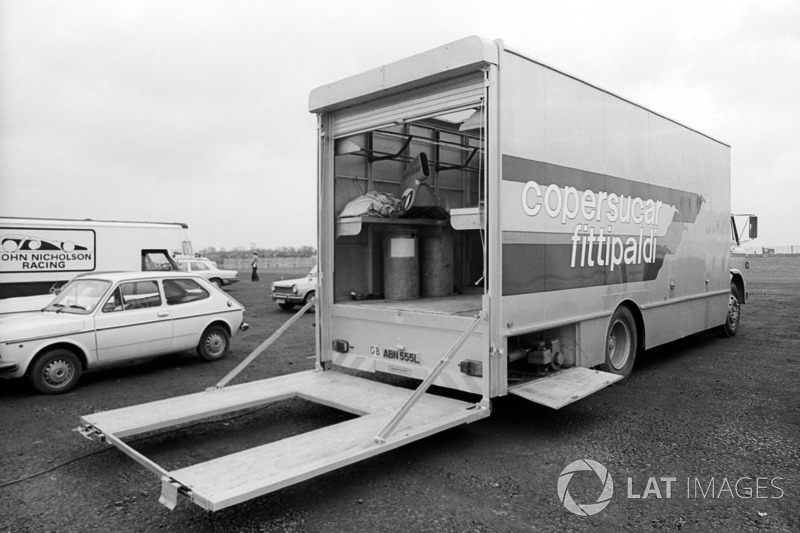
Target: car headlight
[(294, 289)]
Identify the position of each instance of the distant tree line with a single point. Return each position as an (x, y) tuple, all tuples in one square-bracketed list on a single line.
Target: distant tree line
[(219, 255)]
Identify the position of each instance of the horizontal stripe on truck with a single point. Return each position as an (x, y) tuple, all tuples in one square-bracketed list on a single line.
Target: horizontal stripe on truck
[(523, 170), (529, 268)]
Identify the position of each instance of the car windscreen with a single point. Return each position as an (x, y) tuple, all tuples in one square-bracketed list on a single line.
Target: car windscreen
[(79, 296)]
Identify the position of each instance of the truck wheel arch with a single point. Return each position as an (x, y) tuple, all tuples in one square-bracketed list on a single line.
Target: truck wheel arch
[(638, 319), (626, 312), (738, 280)]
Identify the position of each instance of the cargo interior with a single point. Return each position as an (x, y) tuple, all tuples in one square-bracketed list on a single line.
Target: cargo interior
[(419, 251)]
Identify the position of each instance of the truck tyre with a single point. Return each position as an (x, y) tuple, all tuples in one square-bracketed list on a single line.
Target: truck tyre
[(621, 343), (731, 325), (214, 343), (55, 372)]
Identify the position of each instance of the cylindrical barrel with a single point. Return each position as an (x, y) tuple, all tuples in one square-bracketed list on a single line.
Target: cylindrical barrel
[(400, 265), (436, 265)]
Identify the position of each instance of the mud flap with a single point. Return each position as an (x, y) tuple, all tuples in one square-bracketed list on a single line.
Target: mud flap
[(564, 387)]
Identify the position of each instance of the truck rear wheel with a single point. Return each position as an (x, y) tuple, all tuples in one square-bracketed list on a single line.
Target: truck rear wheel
[(621, 343), (731, 325)]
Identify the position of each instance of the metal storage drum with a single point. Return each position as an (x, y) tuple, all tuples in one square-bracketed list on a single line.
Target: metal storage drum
[(436, 265), (400, 265)]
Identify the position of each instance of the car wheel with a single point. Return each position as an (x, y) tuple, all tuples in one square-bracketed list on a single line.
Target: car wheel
[(56, 372), (214, 343), (731, 325), (621, 343), (217, 282), (308, 298), (286, 306)]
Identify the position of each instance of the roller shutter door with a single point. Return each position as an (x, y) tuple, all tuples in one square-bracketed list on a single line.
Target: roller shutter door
[(452, 95)]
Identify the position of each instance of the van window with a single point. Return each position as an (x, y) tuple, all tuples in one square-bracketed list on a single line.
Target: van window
[(157, 260), (181, 291)]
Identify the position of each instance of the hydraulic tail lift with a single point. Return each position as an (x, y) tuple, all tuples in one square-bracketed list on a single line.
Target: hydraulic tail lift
[(387, 417)]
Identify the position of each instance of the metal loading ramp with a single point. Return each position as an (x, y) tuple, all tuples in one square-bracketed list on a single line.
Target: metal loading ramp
[(238, 477)]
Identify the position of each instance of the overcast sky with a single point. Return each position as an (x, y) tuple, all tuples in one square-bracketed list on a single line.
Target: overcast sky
[(196, 111)]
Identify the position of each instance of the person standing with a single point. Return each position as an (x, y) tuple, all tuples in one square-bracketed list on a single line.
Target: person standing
[(254, 265)]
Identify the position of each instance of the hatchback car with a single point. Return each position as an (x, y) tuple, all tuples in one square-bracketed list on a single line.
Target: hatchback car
[(103, 319), (208, 270)]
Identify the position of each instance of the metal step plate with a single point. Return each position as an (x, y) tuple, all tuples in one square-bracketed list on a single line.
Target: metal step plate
[(564, 387)]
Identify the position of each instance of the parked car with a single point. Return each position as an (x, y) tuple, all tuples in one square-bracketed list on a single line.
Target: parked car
[(208, 270), (291, 292), (103, 319)]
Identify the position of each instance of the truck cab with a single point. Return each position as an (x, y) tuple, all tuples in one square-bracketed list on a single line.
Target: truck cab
[(741, 225)]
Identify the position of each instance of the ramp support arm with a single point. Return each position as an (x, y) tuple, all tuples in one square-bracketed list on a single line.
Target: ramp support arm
[(263, 346), (384, 433)]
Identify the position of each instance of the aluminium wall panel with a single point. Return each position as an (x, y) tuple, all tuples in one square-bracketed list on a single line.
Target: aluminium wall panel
[(665, 159), (567, 143), (625, 140), (574, 123), (523, 108)]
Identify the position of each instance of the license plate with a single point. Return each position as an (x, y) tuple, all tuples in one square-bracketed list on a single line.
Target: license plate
[(395, 354)]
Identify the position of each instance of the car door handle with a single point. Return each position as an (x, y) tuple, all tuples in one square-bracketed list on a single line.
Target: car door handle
[(163, 314)]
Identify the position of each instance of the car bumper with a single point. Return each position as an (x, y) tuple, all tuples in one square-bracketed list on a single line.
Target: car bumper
[(289, 298), (8, 368)]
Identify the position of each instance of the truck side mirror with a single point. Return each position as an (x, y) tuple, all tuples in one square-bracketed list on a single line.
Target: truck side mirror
[(753, 227)]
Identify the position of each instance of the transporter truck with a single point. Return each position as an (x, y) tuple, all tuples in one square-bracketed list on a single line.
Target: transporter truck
[(488, 225)]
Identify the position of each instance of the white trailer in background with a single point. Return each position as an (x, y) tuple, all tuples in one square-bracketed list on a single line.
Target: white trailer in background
[(38, 255), (489, 225)]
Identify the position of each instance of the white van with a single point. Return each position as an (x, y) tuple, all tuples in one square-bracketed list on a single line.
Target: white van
[(38, 255)]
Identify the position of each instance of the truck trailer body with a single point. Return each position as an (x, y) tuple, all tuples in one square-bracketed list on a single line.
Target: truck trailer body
[(489, 225), (568, 206)]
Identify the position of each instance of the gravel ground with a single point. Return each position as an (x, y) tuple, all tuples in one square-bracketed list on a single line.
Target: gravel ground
[(716, 421)]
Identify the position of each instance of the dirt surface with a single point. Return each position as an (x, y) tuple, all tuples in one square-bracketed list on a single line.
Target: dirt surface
[(720, 416)]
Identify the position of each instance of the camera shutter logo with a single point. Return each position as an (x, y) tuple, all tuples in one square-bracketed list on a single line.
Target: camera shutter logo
[(587, 509)]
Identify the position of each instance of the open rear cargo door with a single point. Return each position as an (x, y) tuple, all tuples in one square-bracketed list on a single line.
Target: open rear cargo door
[(238, 477), (564, 387)]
